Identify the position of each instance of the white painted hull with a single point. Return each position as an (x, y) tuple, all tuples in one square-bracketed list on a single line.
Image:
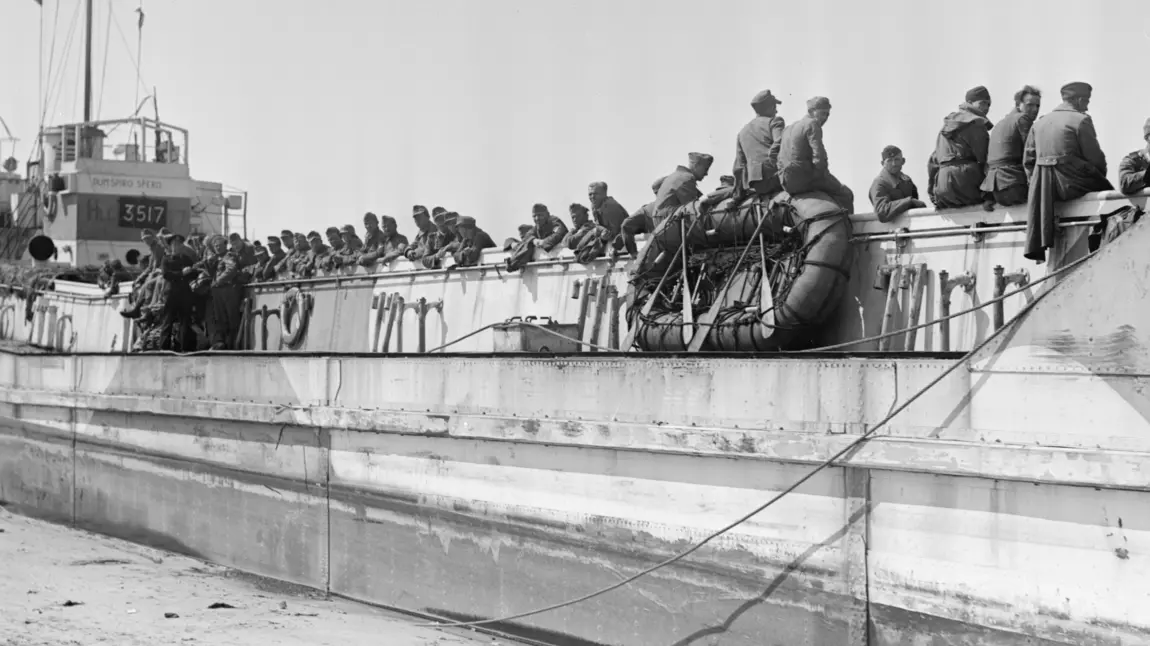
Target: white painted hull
[(487, 487)]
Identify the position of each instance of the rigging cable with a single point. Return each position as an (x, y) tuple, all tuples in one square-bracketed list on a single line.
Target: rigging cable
[(56, 87), (139, 49), (51, 62), (104, 69), (124, 39), (823, 465)]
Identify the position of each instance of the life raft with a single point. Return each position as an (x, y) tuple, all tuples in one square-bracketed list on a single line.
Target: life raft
[(295, 305), (805, 254)]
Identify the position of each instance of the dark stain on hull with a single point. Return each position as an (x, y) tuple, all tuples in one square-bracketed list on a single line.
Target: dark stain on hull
[(892, 626), (273, 482), (551, 637), (1116, 351), (135, 533), (731, 565)]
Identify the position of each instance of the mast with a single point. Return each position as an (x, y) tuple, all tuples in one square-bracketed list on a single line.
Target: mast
[(88, 62)]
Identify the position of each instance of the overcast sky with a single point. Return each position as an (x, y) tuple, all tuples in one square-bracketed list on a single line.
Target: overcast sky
[(324, 110)]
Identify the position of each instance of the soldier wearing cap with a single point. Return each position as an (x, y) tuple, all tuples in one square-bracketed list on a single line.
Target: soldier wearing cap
[(227, 292), (472, 242), (641, 221), (892, 193), (276, 254), (1006, 179), (246, 251), (606, 210), (586, 239), (390, 245), (446, 238), (372, 236), (175, 320), (145, 288), (334, 238), (334, 257), (317, 256), (803, 165), (727, 181), (424, 242), (1064, 162), (549, 230), (257, 271), (283, 268), (757, 148), (1133, 174), (525, 232), (298, 266), (681, 187), (352, 245), (957, 167)]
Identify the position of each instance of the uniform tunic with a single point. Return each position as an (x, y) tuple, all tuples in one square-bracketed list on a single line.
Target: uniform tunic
[(1132, 172), (610, 215), (892, 196), (957, 167), (1005, 176), (551, 233), (803, 166), (1064, 162), (757, 155)]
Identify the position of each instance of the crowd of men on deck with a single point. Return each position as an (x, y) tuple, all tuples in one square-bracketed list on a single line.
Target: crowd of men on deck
[(189, 294)]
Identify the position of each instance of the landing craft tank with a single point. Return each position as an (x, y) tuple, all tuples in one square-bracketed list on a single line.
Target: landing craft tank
[(994, 507), (800, 244)]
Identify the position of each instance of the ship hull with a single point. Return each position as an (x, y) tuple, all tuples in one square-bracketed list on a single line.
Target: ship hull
[(425, 484)]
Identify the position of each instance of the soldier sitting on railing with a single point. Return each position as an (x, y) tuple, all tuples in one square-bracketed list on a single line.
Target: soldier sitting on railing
[(472, 242), (1064, 162), (424, 240), (586, 239), (606, 211), (315, 257), (893, 193), (803, 163), (352, 246), (957, 167), (373, 235), (549, 230), (257, 272), (276, 254), (283, 269), (389, 243), (524, 232), (725, 191), (445, 241), (1006, 178), (427, 255), (297, 266), (681, 187), (334, 256)]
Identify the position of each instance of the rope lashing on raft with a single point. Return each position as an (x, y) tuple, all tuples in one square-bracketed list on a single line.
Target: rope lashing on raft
[(295, 304), (848, 449), (730, 328)]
